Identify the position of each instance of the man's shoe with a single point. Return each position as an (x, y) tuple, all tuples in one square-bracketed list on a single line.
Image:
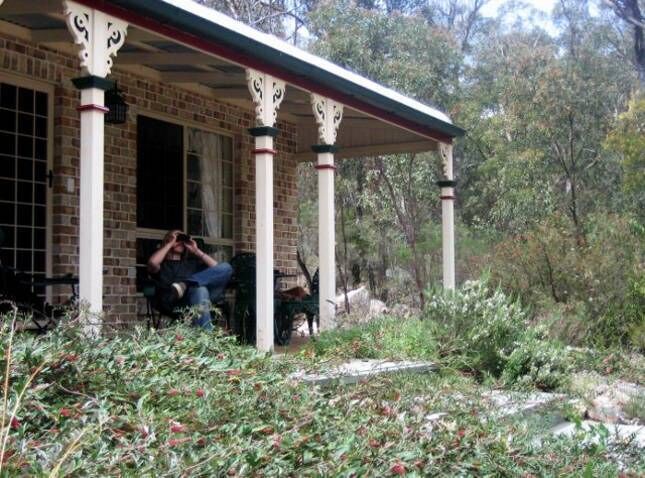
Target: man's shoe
[(179, 289)]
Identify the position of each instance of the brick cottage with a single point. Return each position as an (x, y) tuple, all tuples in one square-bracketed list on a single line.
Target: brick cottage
[(218, 118)]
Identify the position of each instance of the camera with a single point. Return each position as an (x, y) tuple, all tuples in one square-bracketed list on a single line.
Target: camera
[(183, 237)]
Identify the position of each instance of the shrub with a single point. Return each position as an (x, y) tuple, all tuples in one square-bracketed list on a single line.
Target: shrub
[(595, 281), (537, 361), (383, 338), (482, 329), (477, 323), (624, 321)]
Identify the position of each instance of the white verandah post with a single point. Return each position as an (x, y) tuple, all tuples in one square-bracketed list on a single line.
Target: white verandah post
[(100, 36), (267, 93), (328, 115), (447, 186)]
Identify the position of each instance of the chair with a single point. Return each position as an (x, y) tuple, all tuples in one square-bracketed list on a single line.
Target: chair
[(243, 321), (17, 290), (285, 309), (244, 313), (156, 311)]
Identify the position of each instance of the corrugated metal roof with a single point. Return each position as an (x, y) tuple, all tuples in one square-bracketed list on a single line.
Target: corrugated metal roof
[(207, 24)]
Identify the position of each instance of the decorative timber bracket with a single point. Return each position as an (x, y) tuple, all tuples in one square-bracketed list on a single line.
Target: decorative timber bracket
[(267, 93), (328, 114), (99, 35), (445, 150)]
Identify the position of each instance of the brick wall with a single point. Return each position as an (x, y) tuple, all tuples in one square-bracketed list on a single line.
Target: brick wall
[(161, 100)]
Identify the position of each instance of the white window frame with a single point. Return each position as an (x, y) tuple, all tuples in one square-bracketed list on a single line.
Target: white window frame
[(148, 233)]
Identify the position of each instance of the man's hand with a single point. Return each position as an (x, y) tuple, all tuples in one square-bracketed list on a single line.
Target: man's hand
[(191, 246), (173, 240)]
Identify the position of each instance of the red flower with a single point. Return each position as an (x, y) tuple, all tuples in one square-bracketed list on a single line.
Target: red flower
[(15, 423), (7, 454), (200, 392), (201, 442), (173, 392), (398, 469), (179, 337), (176, 441), (374, 443), (66, 412), (177, 428)]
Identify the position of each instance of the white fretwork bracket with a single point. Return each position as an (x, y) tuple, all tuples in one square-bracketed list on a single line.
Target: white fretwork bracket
[(267, 93), (445, 150), (99, 35), (328, 115)]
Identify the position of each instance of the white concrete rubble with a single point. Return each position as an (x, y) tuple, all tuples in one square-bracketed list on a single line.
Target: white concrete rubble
[(514, 403), (610, 403), (359, 301), (632, 433), (377, 307), (356, 370)]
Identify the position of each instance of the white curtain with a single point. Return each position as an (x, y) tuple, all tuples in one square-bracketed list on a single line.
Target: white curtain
[(208, 147)]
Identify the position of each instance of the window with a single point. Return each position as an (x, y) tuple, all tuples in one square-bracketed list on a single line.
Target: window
[(160, 153), (184, 181), (24, 124)]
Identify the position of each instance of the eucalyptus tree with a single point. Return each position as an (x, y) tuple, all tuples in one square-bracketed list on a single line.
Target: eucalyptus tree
[(632, 12), (383, 215), (540, 108)]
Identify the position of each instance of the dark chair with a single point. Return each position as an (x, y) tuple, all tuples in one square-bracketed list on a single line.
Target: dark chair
[(17, 293), (244, 313), (243, 320), (157, 312)]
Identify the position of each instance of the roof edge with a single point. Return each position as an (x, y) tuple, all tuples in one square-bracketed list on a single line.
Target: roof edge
[(251, 48)]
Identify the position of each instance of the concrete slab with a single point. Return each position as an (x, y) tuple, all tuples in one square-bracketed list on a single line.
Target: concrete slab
[(356, 370)]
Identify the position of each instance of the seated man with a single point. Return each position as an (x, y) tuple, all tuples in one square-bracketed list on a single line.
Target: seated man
[(188, 276)]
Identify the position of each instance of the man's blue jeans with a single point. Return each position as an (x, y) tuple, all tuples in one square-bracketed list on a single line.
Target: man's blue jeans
[(204, 288)]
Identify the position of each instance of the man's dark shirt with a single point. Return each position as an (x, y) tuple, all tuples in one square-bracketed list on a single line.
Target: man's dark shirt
[(177, 271)]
